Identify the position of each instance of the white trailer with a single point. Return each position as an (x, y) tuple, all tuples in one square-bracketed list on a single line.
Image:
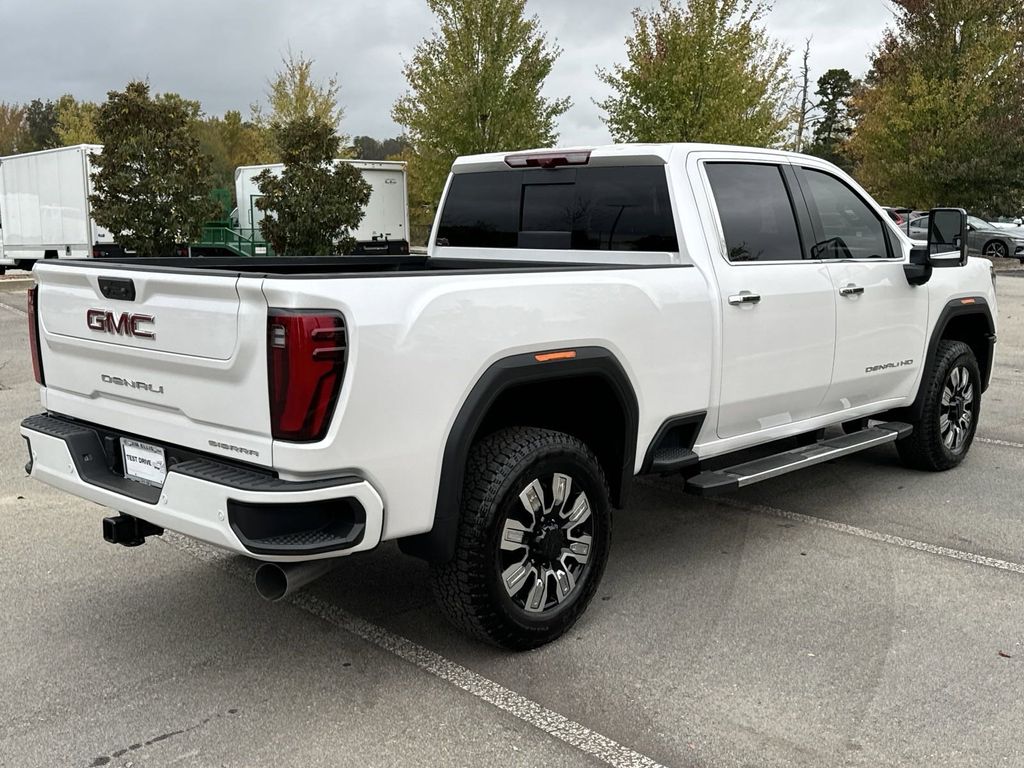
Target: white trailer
[(385, 224), (44, 207)]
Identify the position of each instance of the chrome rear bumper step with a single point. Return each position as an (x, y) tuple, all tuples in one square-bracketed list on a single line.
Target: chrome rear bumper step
[(712, 483)]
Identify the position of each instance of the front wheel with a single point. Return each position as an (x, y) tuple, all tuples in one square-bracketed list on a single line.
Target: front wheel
[(996, 249), (949, 417), (532, 542)]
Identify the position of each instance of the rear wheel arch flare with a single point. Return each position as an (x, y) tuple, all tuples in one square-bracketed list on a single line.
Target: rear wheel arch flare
[(589, 396)]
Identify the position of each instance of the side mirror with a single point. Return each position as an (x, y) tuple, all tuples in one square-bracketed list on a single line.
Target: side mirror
[(919, 268), (947, 237)]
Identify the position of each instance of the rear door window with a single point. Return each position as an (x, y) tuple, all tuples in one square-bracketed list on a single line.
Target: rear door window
[(756, 212), (617, 208)]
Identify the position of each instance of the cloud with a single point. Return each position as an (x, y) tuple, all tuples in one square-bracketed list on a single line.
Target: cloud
[(223, 53)]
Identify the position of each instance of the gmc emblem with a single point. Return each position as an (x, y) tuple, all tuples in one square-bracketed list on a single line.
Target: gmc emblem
[(125, 324)]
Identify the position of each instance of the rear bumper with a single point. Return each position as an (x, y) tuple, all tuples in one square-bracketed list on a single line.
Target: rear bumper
[(245, 511)]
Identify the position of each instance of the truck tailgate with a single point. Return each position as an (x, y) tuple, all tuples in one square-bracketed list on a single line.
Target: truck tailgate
[(176, 357)]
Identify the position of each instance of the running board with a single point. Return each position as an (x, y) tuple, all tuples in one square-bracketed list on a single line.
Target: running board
[(718, 481)]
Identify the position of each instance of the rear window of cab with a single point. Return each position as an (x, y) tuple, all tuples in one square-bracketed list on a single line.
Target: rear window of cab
[(620, 208)]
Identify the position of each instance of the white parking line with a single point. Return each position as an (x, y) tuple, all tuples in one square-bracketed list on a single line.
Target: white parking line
[(864, 533), (579, 736), (15, 310), (1004, 443)]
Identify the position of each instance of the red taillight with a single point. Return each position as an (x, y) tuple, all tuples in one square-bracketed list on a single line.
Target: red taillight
[(548, 159), (305, 364), (33, 333)]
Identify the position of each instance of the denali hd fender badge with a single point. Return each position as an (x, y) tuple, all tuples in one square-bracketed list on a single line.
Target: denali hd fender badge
[(233, 448), (885, 366), (124, 324), (133, 384)]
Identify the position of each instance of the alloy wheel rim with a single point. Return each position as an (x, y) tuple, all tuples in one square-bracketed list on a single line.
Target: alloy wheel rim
[(995, 249), (546, 543), (956, 415)]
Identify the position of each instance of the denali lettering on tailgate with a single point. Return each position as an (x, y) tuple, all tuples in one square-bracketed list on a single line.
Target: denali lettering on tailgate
[(133, 383), (125, 324)]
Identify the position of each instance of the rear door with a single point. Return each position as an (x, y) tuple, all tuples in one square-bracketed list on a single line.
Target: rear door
[(174, 356), (778, 306), (880, 318)]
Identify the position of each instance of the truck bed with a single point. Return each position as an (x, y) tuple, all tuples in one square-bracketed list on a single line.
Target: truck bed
[(329, 266)]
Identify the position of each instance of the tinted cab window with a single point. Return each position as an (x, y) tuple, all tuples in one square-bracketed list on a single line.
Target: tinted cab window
[(845, 226), (587, 208), (756, 212)]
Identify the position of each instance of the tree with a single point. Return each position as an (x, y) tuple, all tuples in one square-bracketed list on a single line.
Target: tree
[(805, 106), (151, 182), (295, 93), (41, 125), (230, 141), (834, 122), (311, 208), (368, 148), (942, 111), (475, 86), (12, 128), (76, 121), (706, 71)]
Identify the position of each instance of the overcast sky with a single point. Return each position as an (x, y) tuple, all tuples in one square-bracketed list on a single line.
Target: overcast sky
[(223, 52)]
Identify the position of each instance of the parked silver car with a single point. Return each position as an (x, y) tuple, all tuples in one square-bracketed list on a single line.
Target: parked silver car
[(983, 238)]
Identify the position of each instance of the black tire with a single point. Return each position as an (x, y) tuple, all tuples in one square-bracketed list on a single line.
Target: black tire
[(995, 249), (470, 588), (931, 446)]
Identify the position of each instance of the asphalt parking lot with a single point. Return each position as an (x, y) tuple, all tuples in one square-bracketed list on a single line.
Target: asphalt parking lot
[(855, 613)]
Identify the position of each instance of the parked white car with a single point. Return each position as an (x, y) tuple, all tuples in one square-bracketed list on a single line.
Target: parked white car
[(583, 316)]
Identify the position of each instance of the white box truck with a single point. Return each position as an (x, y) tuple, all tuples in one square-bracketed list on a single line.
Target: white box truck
[(385, 225), (44, 208)]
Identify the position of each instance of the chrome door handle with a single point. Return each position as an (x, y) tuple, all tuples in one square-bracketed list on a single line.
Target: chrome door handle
[(851, 290), (744, 297)]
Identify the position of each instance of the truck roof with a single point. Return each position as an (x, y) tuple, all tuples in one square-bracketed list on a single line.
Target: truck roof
[(609, 154)]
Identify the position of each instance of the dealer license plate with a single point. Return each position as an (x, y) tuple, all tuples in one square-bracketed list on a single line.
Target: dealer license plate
[(143, 462)]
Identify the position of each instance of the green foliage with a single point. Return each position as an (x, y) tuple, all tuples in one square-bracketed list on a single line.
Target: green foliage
[(368, 148), (312, 207), (230, 141), (835, 119), (942, 111), (475, 86), (152, 182), (76, 121), (12, 128), (41, 125), (294, 93), (706, 71)]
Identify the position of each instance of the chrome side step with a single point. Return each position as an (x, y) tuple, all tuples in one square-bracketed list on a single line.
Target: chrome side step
[(718, 481)]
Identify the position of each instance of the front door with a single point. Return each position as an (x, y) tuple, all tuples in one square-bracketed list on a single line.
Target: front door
[(778, 306), (880, 318)]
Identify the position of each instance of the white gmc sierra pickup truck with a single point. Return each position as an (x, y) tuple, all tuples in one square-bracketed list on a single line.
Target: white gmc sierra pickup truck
[(583, 316)]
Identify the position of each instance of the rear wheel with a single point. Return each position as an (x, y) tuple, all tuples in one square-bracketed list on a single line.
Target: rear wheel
[(532, 542), (952, 403)]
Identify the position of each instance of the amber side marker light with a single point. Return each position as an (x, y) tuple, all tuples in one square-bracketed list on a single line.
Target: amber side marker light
[(547, 357), (968, 301)]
